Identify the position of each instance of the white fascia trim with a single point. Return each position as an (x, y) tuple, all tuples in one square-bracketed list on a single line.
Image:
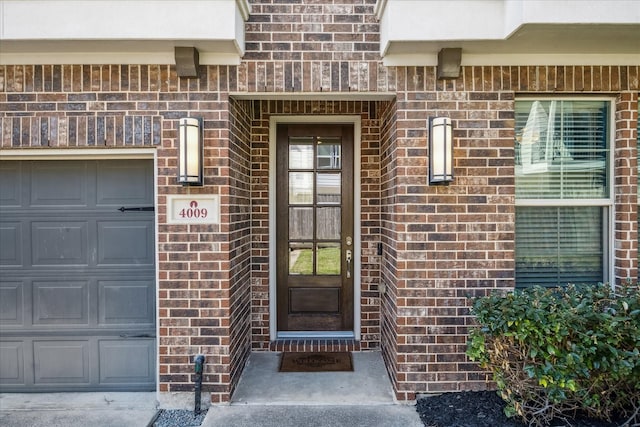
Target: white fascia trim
[(357, 235), (469, 59), (379, 9), (442, 20), (244, 8), (77, 153), (126, 58), (411, 60), (218, 59), (63, 58), (120, 19)]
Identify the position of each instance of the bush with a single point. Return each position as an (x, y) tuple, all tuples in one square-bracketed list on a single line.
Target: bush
[(555, 351)]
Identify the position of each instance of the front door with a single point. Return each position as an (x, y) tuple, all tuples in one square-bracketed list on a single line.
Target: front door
[(314, 227)]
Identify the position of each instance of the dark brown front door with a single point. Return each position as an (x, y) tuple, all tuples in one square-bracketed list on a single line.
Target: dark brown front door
[(314, 227)]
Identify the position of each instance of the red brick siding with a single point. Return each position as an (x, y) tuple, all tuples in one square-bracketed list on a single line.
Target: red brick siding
[(240, 113), (451, 242), (445, 243), (196, 283), (626, 186), (440, 243), (312, 46), (389, 235)]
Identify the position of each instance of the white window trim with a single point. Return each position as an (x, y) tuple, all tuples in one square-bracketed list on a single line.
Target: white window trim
[(77, 153), (608, 204)]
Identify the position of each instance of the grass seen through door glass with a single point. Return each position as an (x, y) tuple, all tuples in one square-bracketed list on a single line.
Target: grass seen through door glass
[(328, 261)]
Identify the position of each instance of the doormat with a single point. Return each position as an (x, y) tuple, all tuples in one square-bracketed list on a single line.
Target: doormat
[(316, 362)]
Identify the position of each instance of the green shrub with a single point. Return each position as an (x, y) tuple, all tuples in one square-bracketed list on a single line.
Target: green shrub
[(554, 351)]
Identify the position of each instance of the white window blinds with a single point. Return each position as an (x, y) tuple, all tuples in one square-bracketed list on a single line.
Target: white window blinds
[(559, 245), (562, 191), (561, 149)]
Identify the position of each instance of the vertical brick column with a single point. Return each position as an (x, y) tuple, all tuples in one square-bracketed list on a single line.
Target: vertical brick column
[(626, 186), (370, 216), (240, 115), (445, 243), (389, 236), (204, 269)]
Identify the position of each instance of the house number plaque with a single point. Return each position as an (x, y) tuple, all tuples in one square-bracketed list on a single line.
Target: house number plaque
[(193, 210)]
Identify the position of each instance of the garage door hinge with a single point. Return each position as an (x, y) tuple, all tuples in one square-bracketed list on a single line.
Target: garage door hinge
[(138, 209)]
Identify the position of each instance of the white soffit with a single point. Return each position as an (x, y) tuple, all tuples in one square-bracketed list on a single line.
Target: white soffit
[(120, 31), (511, 32)]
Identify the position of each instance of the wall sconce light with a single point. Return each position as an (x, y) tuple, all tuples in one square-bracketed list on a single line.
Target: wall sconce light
[(190, 152), (440, 150)]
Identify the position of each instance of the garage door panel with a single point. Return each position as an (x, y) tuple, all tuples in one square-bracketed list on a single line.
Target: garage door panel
[(11, 244), (125, 242), (59, 184), (11, 303), (126, 302), (60, 303), (12, 366), (10, 184), (77, 276), (77, 363), (124, 183), (127, 361), (59, 243), (61, 361)]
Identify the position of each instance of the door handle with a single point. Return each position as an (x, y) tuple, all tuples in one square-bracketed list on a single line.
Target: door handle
[(348, 257)]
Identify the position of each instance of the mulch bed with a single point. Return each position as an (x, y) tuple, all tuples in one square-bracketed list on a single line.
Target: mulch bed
[(479, 409)]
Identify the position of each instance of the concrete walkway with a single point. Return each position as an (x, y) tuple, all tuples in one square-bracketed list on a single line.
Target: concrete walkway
[(264, 398), (77, 409), (268, 398)]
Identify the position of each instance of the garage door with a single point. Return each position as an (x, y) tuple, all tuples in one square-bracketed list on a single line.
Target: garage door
[(77, 275)]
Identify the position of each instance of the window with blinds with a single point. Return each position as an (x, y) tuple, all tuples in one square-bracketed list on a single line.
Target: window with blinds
[(562, 191)]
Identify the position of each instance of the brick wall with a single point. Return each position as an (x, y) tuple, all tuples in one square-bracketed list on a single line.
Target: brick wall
[(312, 46), (240, 113), (196, 286), (449, 242), (444, 244), (389, 234), (626, 181), (201, 269), (440, 244)]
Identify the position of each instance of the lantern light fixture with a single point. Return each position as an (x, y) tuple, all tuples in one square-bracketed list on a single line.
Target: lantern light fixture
[(190, 152), (440, 150)]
